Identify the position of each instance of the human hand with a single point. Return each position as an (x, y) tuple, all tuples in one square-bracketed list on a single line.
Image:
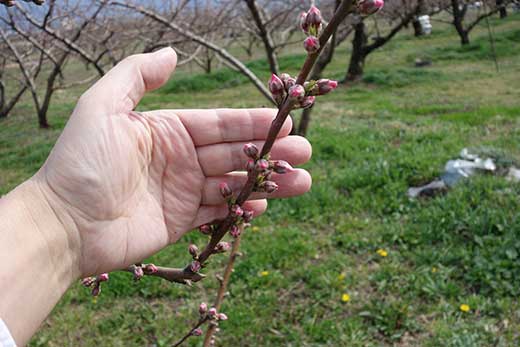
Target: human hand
[(127, 184)]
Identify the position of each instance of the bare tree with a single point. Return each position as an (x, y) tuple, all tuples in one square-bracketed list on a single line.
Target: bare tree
[(35, 50), (462, 21), (7, 102), (399, 14)]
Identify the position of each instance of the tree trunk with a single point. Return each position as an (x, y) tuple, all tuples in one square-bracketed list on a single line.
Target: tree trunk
[(417, 28), (358, 55), (459, 12), (503, 8), (464, 38)]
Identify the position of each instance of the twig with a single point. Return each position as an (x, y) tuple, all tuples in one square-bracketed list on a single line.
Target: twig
[(223, 286), (190, 333)]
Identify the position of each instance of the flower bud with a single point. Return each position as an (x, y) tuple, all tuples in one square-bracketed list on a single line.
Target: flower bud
[(247, 216), (193, 250), (325, 86), (313, 20), (88, 281), (276, 85), (222, 247), (368, 7), (250, 165), (96, 290), (311, 44), (102, 277), (269, 187), (212, 312), (251, 150), (303, 22), (234, 231), (261, 165), (225, 190), (307, 101), (150, 269), (237, 211), (197, 332), (203, 308), (138, 273), (296, 92), (205, 229), (195, 266), (222, 316), (281, 166), (288, 81)]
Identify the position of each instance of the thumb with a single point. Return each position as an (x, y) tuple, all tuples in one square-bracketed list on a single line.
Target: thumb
[(121, 89)]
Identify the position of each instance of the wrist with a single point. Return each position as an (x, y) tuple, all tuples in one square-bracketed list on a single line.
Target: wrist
[(40, 257)]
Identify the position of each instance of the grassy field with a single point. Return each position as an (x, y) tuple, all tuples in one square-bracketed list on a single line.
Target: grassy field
[(354, 262)]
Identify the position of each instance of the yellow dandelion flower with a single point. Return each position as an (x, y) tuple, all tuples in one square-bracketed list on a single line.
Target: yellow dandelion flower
[(382, 252), (434, 269), (464, 308), (255, 228), (264, 273), (345, 297), (342, 276)]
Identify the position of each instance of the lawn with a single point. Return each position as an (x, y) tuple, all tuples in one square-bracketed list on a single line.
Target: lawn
[(354, 262)]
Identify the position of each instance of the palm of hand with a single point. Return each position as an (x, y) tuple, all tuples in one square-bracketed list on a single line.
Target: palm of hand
[(134, 173)]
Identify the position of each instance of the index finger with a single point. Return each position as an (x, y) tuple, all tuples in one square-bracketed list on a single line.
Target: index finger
[(230, 125)]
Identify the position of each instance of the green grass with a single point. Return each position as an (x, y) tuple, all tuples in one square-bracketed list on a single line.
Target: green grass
[(371, 141)]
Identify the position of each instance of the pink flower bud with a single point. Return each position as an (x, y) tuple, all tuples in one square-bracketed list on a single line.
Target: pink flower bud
[(251, 150), (225, 190), (248, 216), (222, 247), (281, 166), (368, 7), (195, 266), (311, 44), (303, 22), (197, 332), (307, 102), (205, 229), (88, 281), (313, 20), (250, 165), (325, 86), (234, 231), (203, 308), (96, 290), (212, 312), (193, 250), (138, 273), (276, 85), (296, 92), (261, 165), (150, 269), (102, 277), (288, 81), (237, 211), (270, 187), (222, 316)]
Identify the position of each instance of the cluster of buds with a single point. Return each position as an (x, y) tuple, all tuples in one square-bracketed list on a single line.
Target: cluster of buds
[(211, 315), (369, 7), (284, 87), (95, 283), (139, 270), (311, 23)]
